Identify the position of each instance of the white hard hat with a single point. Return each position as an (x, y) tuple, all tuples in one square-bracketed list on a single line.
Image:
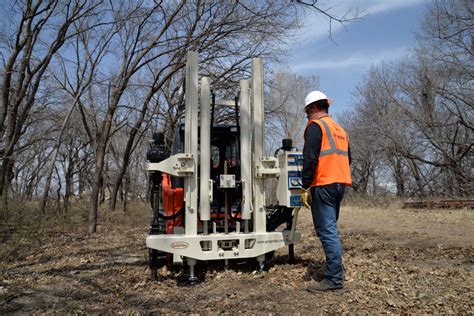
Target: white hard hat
[(314, 96)]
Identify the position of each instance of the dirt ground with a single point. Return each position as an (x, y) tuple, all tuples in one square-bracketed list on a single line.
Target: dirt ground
[(396, 261)]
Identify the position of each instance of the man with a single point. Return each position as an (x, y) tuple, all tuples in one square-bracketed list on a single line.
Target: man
[(326, 173)]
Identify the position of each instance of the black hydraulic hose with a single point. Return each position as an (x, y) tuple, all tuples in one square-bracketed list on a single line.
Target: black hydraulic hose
[(281, 148), (276, 151), (171, 217)]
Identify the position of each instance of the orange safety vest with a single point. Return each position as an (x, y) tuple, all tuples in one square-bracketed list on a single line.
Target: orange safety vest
[(333, 164)]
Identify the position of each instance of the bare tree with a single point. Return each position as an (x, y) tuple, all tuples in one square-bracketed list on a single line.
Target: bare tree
[(75, 85), (28, 53), (365, 155), (285, 107), (139, 42), (222, 34), (418, 112), (118, 66), (73, 151)]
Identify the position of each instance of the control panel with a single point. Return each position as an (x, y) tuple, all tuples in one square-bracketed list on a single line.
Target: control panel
[(290, 182)]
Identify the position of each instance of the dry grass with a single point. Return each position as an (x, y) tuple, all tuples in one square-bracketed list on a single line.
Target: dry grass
[(385, 201), (397, 261), (25, 230)]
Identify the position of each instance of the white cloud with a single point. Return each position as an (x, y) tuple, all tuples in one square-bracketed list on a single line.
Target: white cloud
[(359, 60), (380, 6), (318, 24)]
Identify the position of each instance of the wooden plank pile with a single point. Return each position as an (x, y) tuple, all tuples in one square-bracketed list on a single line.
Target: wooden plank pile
[(443, 204)]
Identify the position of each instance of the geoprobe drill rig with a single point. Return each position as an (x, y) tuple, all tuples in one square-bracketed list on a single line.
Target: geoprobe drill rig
[(208, 198)]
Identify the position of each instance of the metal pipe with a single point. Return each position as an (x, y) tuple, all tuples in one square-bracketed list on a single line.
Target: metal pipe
[(205, 227), (205, 154), (226, 205), (245, 152)]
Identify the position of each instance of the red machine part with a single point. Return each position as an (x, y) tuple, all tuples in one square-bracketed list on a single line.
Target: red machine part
[(173, 200)]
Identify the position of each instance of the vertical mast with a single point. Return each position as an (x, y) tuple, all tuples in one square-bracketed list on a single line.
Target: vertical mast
[(205, 156), (246, 151), (258, 145), (191, 141)]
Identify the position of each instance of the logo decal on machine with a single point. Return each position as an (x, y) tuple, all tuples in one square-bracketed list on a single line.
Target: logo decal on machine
[(179, 245)]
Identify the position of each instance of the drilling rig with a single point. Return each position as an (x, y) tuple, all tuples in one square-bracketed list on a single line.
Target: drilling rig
[(208, 195)]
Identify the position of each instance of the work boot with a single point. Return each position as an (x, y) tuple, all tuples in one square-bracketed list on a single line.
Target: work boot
[(322, 286)]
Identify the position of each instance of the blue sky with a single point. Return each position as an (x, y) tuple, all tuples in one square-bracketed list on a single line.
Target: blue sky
[(385, 34)]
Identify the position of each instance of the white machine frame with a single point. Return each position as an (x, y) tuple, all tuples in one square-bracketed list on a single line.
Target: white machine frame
[(255, 168)]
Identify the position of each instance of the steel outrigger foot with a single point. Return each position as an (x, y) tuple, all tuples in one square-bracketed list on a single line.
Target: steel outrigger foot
[(261, 263), (192, 278)]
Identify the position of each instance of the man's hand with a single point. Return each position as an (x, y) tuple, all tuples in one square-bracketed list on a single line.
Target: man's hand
[(306, 198)]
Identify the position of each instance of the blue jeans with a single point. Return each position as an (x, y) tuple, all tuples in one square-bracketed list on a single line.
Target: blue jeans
[(325, 210)]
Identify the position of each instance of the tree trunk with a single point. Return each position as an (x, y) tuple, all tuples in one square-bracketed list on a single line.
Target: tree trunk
[(7, 172), (3, 176), (115, 191), (97, 185), (82, 177), (126, 189), (374, 184), (100, 163), (68, 177), (96, 188), (102, 192), (120, 193), (58, 192), (118, 180), (398, 174), (30, 187), (416, 174), (94, 203)]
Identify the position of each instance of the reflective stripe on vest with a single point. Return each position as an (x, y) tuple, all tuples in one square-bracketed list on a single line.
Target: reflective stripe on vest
[(333, 148)]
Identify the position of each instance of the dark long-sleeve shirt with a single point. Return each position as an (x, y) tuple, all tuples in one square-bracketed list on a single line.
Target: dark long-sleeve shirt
[(312, 147)]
